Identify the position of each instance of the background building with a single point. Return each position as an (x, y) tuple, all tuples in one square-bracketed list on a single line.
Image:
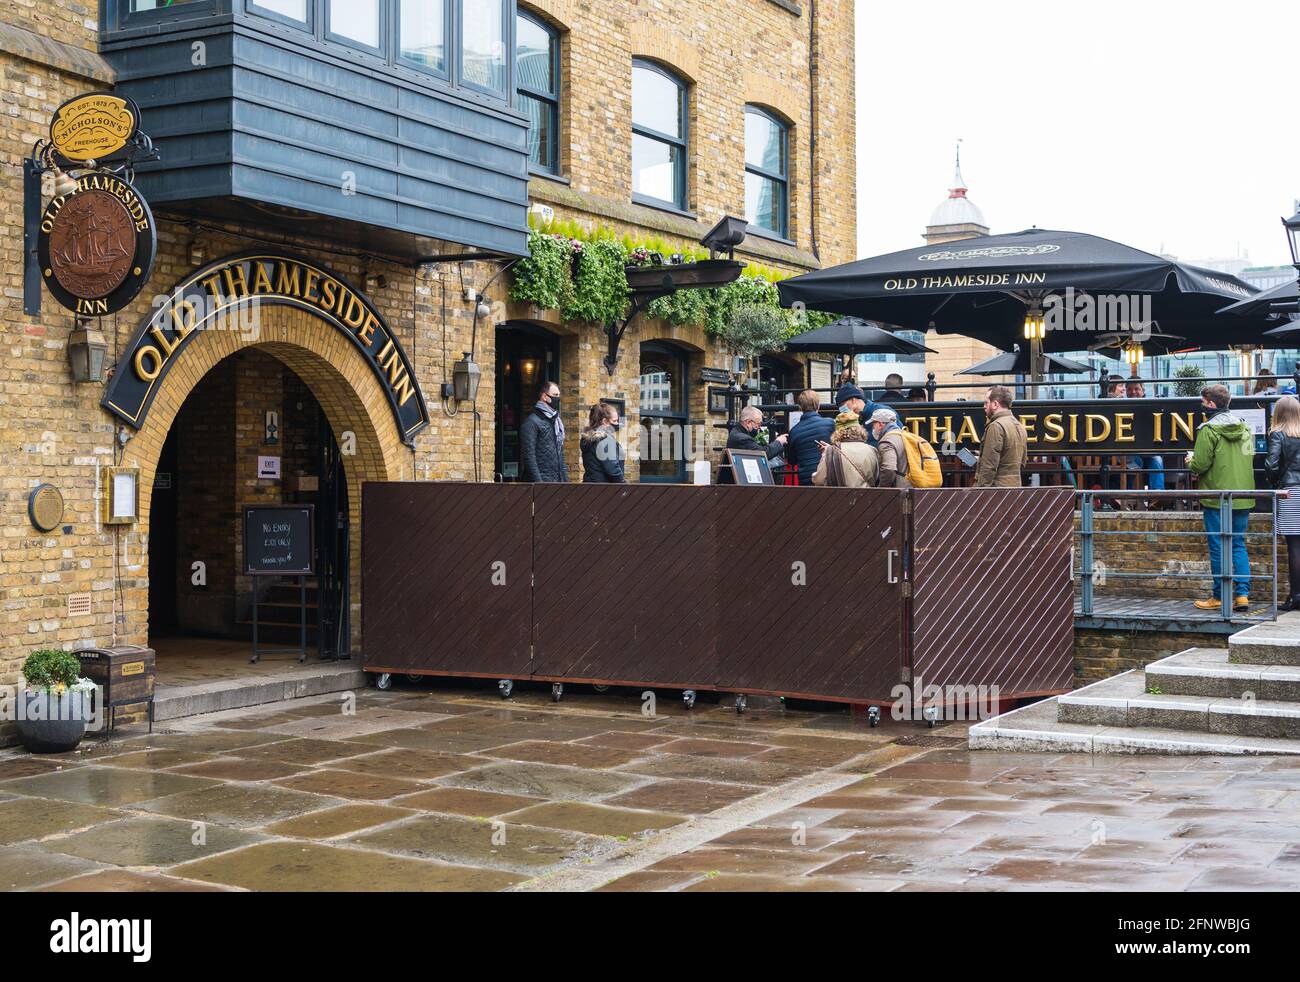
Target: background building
[(402, 153)]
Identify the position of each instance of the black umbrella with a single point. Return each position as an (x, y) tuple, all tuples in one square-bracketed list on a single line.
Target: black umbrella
[(854, 336), (984, 288), (1279, 300), (1017, 363)]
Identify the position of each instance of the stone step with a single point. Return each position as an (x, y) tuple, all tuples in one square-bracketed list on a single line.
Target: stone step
[(1123, 701), (1209, 672), (294, 682), (1036, 729), (1268, 644)]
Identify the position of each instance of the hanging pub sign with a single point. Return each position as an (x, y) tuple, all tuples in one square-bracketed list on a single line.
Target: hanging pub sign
[(228, 295), (93, 127), (97, 245)]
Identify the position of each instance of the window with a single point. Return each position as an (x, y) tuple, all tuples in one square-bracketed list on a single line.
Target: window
[(659, 135), (663, 414), (537, 70), (767, 172), (423, 34), (293, 11), (140, 6), (482, 45), (355, 22)]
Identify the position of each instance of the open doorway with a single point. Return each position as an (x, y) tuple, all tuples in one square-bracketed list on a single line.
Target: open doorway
[(250, 417), (527, 356)]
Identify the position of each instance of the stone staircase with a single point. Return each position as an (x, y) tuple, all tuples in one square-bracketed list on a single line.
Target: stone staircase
[(1242, 700)]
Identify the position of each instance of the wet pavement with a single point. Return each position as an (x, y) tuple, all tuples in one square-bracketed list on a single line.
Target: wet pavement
[(447, 788)]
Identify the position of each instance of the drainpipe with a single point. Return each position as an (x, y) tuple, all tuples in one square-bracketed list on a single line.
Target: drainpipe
[(812, 124)]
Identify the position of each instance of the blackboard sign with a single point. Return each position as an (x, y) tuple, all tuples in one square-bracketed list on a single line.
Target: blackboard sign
[(280, 541)]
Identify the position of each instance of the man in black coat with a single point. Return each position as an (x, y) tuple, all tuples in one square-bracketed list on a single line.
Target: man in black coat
[(742, 438), (542, 439)]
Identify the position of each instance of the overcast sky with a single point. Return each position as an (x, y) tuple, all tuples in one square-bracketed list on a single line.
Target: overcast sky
[(1170, 125)]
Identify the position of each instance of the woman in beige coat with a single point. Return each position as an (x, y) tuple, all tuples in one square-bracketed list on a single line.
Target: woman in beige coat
[(848, 461)]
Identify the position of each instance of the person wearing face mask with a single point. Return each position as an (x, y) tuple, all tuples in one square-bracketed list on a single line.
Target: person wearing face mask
[(602, 457), (542, 439), (888, 436), (742, 438)]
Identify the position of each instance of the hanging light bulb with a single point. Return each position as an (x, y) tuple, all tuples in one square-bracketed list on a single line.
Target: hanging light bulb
[(1035, 325), (1134, 355)]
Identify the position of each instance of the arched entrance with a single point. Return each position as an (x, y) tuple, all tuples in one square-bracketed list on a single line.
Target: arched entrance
[(293, 359)]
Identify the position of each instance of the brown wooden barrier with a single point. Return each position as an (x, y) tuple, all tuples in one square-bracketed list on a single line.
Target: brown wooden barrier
[(789, 591)]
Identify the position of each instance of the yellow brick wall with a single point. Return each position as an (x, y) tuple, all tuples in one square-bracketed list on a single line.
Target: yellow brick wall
[(52, 430)]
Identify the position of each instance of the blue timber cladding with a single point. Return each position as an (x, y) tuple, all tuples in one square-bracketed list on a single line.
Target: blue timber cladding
[(271, 121)]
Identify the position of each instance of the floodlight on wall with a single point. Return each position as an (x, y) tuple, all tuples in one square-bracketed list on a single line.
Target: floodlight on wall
[(725, 236)]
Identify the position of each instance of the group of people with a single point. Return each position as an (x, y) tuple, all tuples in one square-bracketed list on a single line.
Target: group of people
[(863, 446)]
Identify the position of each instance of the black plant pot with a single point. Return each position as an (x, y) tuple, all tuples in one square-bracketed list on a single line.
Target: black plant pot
[(53, 724)]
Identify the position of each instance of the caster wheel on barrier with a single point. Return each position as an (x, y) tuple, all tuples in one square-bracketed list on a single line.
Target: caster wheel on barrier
[(415, 679), (602, 689), (688, 698), (741, 704), (384, 682), (557, 692), (931, 724), (506, 687)]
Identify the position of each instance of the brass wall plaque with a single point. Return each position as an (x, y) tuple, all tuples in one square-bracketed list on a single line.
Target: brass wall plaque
[(93, 127), (45, 508)]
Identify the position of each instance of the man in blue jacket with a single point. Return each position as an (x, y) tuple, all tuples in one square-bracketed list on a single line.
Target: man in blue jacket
[(806, 438)]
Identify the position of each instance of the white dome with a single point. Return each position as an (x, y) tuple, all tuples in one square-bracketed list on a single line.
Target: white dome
[(957, 210)]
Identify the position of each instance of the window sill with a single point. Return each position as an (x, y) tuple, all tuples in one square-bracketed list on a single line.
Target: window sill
[(658, 205), (546, 175), (766, 233)]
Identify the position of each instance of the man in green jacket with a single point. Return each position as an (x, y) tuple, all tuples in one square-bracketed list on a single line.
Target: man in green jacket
[(1224, 459)]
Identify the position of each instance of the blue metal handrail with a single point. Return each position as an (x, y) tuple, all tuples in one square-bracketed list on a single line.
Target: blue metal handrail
[(1089, 574)]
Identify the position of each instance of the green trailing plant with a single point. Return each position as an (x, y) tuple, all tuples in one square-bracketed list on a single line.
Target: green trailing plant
[(600, 291), (544, 277), (1190, 381), (581, 273), (53, 671)]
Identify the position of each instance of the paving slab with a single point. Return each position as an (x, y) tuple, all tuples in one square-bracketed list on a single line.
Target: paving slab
[(684, 797), (546, 781), (35, 818), (106, 786), (29, 765), (576, 816), (128, 881), (294, 867), (474, 842), (299, 751), (28, 867), (466, 801), (350, 784), (242, 770), (240, 806), (333, 822), (415, 765), (570, 754), (150, 842)]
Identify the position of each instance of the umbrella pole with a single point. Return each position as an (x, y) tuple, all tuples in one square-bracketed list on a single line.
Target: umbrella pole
[(1035, 366)]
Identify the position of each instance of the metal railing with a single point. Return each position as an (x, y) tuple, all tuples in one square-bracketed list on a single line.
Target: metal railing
[(1091, 573)]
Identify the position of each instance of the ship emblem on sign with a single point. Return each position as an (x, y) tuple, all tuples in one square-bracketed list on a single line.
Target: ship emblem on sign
[(97, 245)]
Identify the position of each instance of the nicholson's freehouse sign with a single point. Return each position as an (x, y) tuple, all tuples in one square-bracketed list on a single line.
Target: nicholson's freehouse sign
[(226, 295)]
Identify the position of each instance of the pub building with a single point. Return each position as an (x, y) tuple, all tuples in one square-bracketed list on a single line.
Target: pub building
[(258, 251)]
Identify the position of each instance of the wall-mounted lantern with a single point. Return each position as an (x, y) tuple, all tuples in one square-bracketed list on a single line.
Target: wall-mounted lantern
[(87, 348), (465, 379)]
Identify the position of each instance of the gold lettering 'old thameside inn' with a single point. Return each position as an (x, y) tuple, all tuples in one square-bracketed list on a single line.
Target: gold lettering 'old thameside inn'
[(336, 194)]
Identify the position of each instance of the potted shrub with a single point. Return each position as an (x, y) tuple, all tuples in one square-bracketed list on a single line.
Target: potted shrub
[(55, 703)]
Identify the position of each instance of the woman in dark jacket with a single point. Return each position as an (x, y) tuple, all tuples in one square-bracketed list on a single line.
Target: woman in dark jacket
[(602, 457), (1282, 465)]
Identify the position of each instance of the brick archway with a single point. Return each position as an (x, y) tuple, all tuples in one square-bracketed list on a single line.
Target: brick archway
[(343, 383)]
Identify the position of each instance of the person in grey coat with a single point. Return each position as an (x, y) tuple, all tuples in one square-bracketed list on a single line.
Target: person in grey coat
[(542, 439)]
